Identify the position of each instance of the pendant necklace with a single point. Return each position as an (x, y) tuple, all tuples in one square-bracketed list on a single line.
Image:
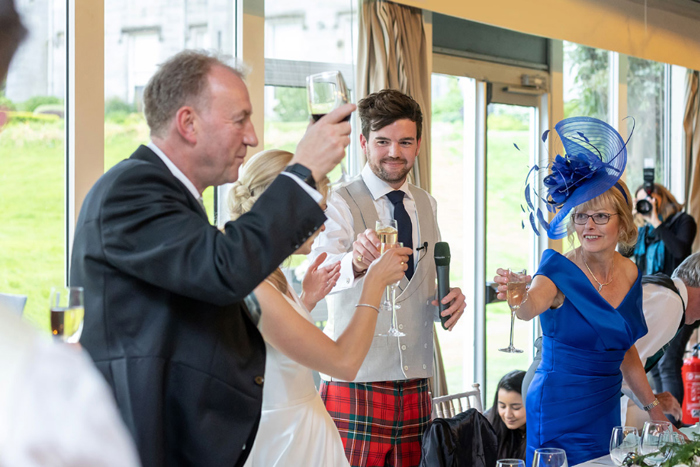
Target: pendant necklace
[(601, 285)]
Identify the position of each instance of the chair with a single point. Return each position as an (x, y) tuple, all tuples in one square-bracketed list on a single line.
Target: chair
[(449, 406), (12, 302)]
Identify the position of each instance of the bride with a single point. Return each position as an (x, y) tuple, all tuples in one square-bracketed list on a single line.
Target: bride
[(295, 428)]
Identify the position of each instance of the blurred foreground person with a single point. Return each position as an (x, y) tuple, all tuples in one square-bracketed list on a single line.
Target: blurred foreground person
[(55, 408)]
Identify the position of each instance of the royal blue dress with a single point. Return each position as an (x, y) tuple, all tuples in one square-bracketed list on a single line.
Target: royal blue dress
[(574, 399)]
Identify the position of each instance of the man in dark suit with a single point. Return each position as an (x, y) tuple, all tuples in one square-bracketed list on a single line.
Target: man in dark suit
[(165, 322)]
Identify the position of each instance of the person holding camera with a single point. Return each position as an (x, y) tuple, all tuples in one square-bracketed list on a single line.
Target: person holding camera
[(664, 241), (667, 236)]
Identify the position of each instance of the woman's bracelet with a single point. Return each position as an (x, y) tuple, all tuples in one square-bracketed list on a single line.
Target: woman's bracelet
[(650, 406), (368, 306)]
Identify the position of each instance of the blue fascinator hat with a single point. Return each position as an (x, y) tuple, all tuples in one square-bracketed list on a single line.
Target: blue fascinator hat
[(595, 156)]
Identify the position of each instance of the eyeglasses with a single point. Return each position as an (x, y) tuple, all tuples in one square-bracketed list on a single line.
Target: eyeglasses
[(600, 218)]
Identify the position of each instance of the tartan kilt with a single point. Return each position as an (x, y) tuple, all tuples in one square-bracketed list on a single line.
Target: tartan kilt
[(380, 423)]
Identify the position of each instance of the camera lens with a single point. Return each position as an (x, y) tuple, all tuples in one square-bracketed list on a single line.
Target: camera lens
[(643, 206)]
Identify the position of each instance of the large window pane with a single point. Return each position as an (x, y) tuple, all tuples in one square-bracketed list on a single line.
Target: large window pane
[(448, 166), (586, 81), (139, 36), (32, 179), (646, 99)]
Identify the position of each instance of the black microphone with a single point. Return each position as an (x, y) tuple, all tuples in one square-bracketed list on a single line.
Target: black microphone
[(442, 264), (424, 247)]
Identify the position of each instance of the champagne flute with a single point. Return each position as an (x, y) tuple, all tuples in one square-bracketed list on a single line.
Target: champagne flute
[(517, 294), (549, 457), (388, 233), (656, 440), (393, 330), (510, 463), (67, 313), (326, 91), (623, 441)]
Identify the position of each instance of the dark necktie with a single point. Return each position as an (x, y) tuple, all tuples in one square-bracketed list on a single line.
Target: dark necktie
[(404, 224)]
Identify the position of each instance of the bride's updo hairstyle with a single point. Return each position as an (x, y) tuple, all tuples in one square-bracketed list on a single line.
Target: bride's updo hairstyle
[(256, 175)]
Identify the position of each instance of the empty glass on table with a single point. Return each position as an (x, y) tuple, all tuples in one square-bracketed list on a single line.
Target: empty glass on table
[(623, 441), (549, 457)]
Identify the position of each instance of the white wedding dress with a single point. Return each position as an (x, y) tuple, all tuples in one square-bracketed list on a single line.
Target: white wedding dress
[(295, 428)]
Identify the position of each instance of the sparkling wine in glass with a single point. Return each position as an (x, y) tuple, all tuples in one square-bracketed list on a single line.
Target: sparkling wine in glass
[(623, 441), (326, 91), (549, 457), (388, 232), (656, 439), (510, 463), (67, 313), (517, 294)]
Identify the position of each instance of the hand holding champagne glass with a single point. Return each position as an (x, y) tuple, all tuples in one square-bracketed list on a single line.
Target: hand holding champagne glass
[(516, 294), (67, 313)]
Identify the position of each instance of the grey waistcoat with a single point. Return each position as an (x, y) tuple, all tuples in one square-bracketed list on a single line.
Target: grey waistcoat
[(392, 358)]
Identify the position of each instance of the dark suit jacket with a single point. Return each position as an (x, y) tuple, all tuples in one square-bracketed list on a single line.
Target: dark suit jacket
[(164, 317)]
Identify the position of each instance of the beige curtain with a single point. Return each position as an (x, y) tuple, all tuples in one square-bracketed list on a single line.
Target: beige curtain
[(393, 54), (691, 128)]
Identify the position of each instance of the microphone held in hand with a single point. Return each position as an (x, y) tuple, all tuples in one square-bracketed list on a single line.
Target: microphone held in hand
[(442, 264)]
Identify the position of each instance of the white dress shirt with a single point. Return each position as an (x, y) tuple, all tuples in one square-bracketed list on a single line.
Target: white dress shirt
[(177, 173), (55, 407), (339, 235)]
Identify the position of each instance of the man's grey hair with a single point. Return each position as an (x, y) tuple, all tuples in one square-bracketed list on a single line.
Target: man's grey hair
[(689, 271), (181, 80)]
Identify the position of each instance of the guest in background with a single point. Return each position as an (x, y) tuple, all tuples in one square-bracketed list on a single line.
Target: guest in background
[(55, 408), (665, 240), (295, 428), (507, 416)]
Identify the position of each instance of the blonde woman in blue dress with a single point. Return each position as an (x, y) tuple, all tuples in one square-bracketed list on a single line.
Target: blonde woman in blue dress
[(589, 301), (295, 428)]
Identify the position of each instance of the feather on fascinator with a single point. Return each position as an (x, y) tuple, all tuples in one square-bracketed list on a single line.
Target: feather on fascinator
[(595, 156)]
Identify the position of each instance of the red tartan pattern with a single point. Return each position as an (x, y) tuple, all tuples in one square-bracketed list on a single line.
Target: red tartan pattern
[(381, 423)]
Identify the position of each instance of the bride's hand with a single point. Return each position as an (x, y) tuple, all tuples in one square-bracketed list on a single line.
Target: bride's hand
[(319, 281), (390, 267)]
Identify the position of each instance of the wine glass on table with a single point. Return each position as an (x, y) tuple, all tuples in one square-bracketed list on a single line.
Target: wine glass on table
[(549, 457), (657, 438), (326, 91), (623, 441), (517, 294), (67, 313), (510, 463)]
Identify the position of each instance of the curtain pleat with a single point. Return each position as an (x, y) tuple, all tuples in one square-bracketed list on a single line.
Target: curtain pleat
[(393, 54), (691, 128)]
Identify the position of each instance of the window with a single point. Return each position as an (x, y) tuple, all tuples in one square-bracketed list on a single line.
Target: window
[(32, 180), (139, 36), (646, 103), (586, 82)]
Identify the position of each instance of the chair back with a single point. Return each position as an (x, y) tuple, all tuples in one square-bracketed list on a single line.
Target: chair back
[(13, 303), (449, 406)]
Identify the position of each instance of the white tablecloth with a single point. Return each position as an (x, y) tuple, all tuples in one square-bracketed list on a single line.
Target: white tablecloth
[(604, 460)]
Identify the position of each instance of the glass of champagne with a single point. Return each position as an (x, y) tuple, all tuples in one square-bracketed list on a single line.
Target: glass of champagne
[(623, 441), (549, 457), (517, 294), (656, 439), (326, 91), (510, 463), (388, 233), (67, 313)]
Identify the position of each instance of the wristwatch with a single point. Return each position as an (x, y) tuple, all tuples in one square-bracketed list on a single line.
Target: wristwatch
[(303, 173), (653, 404)]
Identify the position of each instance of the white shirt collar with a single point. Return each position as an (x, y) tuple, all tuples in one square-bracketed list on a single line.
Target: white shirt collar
[(378, 187), (175, 171)]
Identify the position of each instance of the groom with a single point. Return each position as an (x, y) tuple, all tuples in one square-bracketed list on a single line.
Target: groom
[(382, 414)]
